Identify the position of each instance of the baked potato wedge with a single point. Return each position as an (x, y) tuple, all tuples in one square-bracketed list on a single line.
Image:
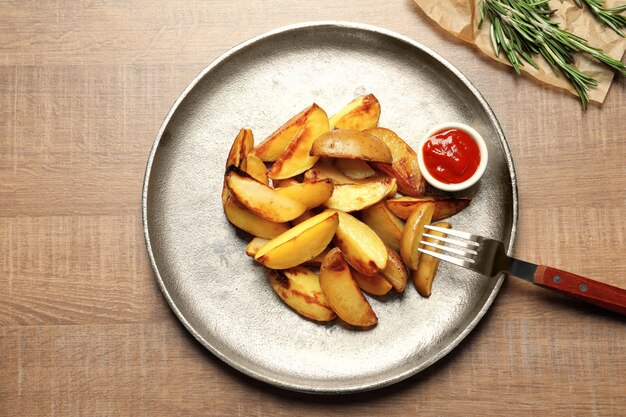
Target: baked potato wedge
[(412, 234), (296, 157), (326, 169), (300, 289), (360, 245), (375, 284), (317, 261), (256, 168), (395, 271), (284, 183), (225, 193), (355, 168), (343, 293), (261, 199), (351, 144), (404, 167), (255, 244), (444, 206), (361, 113), (271, 147), (386, 224), (299, 244), (239, 150), (394, 190), (241, 147), (311, 193), (353, 197), (249, 222), (304, 216), (427, 268)]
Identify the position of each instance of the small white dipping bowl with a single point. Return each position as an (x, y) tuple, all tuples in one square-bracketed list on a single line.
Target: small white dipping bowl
[(480, 170)]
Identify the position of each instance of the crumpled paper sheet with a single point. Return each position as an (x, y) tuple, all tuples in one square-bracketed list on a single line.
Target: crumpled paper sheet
[(460, 17)]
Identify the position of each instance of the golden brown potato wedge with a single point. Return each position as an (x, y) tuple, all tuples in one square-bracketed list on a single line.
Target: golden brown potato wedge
[(375, 284), (427, 268), (412, 234), (243, 144), (343, 293), (393, 191), (225, 193), (360, 245), (256, 168), (271, 147), (317, 261), (361, 113), (296, 157), (254, 246), (250, 222), (448, 207), (355, 168), (311, 194), (351, 144), (404, 167), (353, 197), (395, 271), (304, 216), (326, 169), (261, 199), (300, 289), (284, 183), (239, 150), (444, 207), (300, 243), (386, 225)]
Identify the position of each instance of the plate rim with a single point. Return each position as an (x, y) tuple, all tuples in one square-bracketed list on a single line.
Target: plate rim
[(348, 388)]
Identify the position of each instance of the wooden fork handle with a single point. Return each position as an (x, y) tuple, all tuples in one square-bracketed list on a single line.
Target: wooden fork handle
[(585, 289)]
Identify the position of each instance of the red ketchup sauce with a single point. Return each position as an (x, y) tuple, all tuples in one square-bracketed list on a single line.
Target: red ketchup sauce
[(451, 155)]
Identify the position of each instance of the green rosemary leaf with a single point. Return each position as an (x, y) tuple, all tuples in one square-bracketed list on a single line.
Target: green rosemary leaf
[(617, 9), (523, 28), (610, 18), (494, 41), (482, 17)]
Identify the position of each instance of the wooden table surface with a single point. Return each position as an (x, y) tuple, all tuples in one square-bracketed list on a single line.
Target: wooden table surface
[(84, 330)]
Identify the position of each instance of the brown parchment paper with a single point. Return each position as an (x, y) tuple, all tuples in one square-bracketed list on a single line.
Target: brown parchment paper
[(460, 17)]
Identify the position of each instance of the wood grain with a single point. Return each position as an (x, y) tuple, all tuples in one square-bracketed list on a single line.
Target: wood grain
[(582, 288), (84, 330)]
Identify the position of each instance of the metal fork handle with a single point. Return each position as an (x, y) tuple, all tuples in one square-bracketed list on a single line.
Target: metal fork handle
[(585, 289)]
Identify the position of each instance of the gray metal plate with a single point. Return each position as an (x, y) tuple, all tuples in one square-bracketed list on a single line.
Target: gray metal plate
[(221, 296)]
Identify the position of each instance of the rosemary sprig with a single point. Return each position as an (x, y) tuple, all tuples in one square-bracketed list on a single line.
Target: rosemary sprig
[(521, 28), (609, 17)]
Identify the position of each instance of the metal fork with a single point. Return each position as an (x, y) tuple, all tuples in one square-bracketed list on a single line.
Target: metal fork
[(488, 257)]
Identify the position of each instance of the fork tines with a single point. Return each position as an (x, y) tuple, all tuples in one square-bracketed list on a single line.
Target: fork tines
[(468, 253), (452, 232)]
